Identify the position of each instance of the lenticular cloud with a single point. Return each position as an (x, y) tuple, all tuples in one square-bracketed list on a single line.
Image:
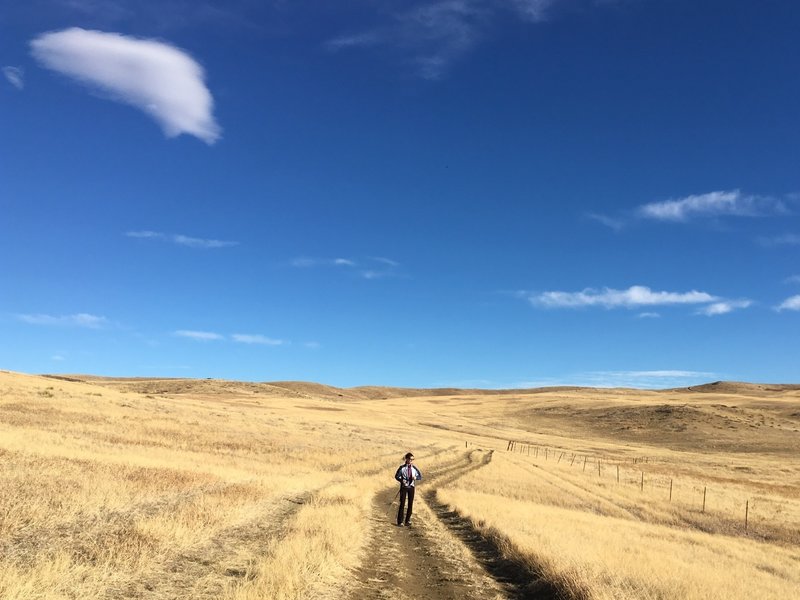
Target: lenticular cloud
[(159, 79)]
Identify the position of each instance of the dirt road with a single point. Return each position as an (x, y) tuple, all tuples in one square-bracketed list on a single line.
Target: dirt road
[(441, 556)]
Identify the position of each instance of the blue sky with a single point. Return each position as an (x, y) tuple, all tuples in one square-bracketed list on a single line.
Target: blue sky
[(442, 193)]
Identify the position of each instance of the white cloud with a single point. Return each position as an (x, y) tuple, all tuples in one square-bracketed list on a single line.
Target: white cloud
[(634, 296), (185, 240), (57, 358), (723, 307), (15, 76), (712, 204), (648, 315), (155, 77), (792, 279), (792, 303), (247, 338), (200, 336), (77, 320), (181, 240)]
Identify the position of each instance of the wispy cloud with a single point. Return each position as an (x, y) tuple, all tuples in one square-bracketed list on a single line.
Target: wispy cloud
[(635, 296), (432, 35), (611, 222), (368, 268), (656, 379), (255, 338), (163, 81), (313, 345), (15, 76), (199, 336), (57, 358), (713, 204), (180, 239), (792, 279), (792, 303), (723, 308), (787, 239), (77, 320)]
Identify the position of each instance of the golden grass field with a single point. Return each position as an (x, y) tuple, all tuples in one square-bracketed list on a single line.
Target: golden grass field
[(170, 488)]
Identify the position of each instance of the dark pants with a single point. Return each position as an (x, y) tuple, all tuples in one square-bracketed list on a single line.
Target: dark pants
[(405, 491)]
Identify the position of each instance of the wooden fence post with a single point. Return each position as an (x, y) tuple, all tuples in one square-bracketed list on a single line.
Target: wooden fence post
[(537, 452), (617, 473), (641, 485), (584, 462), (545, 453), (560, 456), (573, 459), (704, 498), (670, 489), (746, 511), (598, 467)]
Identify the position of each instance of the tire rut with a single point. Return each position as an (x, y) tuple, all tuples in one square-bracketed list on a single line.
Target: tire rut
[(407, 563)]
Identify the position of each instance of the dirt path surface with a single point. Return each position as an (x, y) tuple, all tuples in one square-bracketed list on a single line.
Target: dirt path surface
[(441, 556)]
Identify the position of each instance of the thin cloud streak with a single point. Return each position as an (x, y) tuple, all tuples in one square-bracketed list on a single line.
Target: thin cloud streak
[(255, 338), (655, 379), (712, 204), (157, 78), (15, 76), (199, 336), (180, 239), (634, 296), (77, 320), (787, 239)]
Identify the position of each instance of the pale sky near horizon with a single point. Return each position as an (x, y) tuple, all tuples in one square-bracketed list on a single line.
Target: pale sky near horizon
[(420, 193)]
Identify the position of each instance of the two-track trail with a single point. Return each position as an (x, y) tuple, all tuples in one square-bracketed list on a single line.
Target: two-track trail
[(441, 556)]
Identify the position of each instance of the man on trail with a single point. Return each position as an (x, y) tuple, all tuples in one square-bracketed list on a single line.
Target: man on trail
[(406, 474)]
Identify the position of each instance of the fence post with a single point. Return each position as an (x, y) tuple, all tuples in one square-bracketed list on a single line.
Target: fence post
[(560, 456), (617, 473), (641, 485), (598, 467), (573, 459), (746, 511), (704, 498), (545, 453), (584, 463), (670, 489), (537, 452)]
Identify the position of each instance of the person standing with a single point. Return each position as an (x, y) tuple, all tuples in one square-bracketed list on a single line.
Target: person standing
[(407, 474)]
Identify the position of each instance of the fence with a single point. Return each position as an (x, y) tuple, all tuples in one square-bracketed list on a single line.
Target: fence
[(655, 482)]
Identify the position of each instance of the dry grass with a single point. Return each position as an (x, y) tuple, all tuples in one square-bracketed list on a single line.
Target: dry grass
[(207, 489)]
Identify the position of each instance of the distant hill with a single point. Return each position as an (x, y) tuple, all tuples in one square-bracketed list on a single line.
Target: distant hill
[(741, 387), (304, 389)]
